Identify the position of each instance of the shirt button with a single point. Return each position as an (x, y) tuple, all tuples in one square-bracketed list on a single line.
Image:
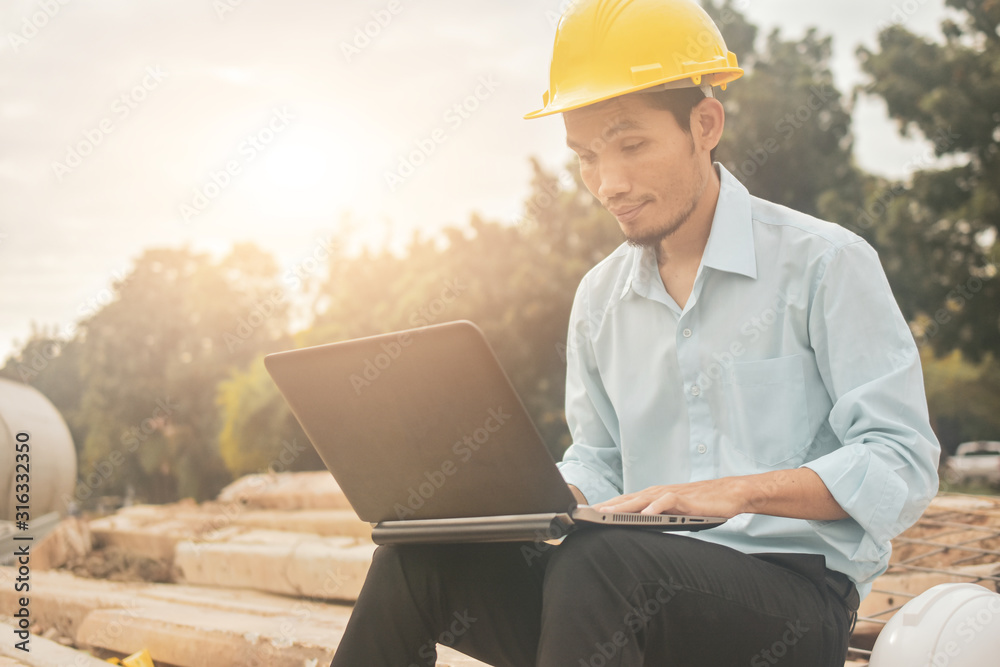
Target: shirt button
[(702, 448), (687, 333), (695, 390)]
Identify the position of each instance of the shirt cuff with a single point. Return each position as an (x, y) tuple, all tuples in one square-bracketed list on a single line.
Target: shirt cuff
[(594, 486), (868, 490)]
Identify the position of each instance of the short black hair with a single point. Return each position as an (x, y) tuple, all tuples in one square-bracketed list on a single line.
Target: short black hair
[(679, 102)]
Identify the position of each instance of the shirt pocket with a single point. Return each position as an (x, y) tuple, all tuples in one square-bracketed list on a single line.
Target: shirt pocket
[(766, 400)]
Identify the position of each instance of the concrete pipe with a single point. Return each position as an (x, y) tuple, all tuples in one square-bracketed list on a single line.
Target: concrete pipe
[(51, 455)]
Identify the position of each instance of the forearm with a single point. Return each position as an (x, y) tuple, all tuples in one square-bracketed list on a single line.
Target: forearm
[(798, 493)]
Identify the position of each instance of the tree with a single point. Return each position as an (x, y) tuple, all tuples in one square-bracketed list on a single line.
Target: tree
[(962, 397), (51, 364), (258, 430), (937, 232), (152, 359), (788, 129)]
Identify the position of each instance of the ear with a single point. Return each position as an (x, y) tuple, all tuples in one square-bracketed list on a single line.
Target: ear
[(707, 121)]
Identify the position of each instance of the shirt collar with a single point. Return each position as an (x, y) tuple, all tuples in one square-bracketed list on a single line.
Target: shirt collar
[(730, 245)]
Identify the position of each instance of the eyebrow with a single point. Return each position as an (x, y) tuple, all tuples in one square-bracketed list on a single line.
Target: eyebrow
[(611, 132)]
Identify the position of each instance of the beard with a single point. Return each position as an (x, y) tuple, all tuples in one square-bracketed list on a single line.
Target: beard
[(653, 237)]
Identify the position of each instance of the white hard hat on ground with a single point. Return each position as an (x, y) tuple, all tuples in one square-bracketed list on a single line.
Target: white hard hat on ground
[(950, 625)]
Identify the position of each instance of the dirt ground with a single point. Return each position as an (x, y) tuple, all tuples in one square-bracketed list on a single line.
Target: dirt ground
[(955, 527)]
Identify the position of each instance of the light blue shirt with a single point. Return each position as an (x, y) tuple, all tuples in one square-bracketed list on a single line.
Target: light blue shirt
[(789, 352)]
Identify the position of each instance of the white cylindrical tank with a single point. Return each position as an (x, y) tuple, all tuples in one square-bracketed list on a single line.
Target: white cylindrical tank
[(51, 455)]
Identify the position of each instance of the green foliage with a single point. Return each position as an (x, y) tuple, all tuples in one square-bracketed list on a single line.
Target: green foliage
[(258, 431), (138, 381), (937, 233), (787, 135), (962, 397), (51, 364)]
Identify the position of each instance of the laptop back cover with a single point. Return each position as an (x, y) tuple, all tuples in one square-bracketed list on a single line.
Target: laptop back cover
[(421, 424)]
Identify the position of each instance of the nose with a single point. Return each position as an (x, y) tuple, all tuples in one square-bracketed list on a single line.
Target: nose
[(613, 180)]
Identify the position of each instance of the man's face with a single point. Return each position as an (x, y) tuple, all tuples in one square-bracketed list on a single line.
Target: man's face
[(639, 164)]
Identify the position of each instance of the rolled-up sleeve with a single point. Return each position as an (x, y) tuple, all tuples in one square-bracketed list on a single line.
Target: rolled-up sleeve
[(885, 473), (593, 462)]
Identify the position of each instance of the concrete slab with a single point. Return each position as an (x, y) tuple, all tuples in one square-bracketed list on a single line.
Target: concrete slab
[(157, 532), (188, 636), (156, 541), (329, 568), (61, 600), (154, 530), (243, 640), (286, 491), (68, 542), (319, 522), (195, 626), (43, 653)]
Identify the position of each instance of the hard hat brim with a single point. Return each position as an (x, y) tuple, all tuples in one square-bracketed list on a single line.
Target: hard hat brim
[(560, 104)]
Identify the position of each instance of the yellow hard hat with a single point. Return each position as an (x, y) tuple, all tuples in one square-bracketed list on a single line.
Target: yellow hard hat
[(607, 48)]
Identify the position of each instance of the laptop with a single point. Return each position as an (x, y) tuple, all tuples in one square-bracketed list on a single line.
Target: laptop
[(429, 442)]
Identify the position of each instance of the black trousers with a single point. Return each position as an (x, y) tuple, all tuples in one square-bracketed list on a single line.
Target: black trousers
[(606, 597)]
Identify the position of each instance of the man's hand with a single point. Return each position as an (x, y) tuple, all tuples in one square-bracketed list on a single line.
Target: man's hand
[(798, 493), (718, 497)]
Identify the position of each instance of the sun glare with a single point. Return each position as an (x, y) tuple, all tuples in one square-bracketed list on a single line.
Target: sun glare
[(304, 172), (300, 165)]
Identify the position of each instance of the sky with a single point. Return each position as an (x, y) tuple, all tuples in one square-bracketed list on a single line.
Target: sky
[(129, 124)]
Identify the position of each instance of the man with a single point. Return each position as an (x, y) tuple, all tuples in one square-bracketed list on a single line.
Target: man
[(734, 358)]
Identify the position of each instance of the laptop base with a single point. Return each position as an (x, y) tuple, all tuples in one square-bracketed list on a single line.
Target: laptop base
[(525, 527)]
